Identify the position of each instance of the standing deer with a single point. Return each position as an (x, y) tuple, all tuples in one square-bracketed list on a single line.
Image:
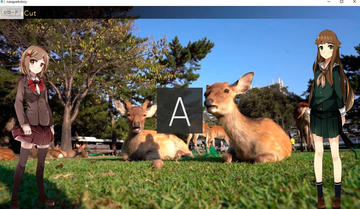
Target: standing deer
[(148, 144), (210, 133), (303, 125), (251, 139)]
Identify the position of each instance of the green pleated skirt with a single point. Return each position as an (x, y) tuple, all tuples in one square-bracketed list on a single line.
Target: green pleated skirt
[(325, 124)]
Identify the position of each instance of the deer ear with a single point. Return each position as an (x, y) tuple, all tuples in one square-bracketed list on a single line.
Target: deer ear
[(145, 104), (243, 84), (151, 111), (128, 104), (120, 107)]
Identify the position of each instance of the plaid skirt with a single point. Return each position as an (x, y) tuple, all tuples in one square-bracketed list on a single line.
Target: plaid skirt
[(326, 124), (40, 135)]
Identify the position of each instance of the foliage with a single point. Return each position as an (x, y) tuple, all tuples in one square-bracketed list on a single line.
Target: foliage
[(204, 183), (172, 65), (8, 81), (307, 92), (269, 102), (351, 64), (103, 57)]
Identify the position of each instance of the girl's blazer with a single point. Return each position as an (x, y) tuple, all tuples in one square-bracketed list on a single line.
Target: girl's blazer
[(38, 111)]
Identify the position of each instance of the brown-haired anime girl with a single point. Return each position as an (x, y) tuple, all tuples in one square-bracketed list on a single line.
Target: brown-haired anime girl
[(330, 97), (35, 123)]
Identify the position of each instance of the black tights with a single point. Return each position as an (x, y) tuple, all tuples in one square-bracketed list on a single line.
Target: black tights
[(20, 169)]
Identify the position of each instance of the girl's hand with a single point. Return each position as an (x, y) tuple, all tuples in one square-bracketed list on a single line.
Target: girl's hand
[(52, 129), (343, 120), (26, 128)]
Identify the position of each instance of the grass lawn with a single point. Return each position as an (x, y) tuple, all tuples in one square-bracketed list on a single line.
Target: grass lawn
[(109, 182)]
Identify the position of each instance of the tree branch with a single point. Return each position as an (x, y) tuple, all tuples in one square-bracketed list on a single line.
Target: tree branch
[(58, 93)]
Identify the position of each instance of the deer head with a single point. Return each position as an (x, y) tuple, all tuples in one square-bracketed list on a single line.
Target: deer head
[(136, 115), (219, 97)]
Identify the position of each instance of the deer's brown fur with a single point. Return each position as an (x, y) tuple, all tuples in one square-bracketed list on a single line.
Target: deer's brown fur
[(6, 154), (303, 125), (57, 152), (148, 144), (210, 133), (253, 140)]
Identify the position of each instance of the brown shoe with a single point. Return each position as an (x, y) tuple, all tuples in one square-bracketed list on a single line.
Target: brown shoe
[(321, 203), (46, 201), (336, 203)]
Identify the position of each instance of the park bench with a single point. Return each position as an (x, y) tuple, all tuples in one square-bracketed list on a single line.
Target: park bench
[(96, 146)]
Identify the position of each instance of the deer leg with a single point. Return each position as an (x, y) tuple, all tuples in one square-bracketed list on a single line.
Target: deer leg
[(180, 154), (195, 143), (268, 157), (188, 139), (207, 143), (157, 163), (301, 141), (153, 155), (125, 157), (228, 156)]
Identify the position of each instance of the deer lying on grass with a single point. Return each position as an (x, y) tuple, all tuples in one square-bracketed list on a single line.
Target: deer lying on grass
[(79, 152), (303, 125), (6, 154), (148, 144), (251, 139), (57, 152), (210, 133)]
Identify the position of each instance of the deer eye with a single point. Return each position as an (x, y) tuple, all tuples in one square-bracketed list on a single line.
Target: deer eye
[(226, 90), (144, 115), (128, 114)]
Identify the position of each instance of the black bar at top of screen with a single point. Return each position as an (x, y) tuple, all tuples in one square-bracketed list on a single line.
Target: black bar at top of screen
[(192, 12)]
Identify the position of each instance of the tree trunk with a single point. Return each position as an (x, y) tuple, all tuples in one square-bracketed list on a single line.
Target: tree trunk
[(112, 120), (66, 129)]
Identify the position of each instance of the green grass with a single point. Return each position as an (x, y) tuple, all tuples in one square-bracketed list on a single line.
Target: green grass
[(109, 182)]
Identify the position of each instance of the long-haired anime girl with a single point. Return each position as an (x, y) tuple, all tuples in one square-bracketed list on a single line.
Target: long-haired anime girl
[(330, 97)]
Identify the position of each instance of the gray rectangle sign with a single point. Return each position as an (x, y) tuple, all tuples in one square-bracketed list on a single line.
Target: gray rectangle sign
[(11, 12)]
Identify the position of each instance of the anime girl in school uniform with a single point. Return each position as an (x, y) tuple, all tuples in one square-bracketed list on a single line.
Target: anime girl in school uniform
[(35, 125), (330, 97)]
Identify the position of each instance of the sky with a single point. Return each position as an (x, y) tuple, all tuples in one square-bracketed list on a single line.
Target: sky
[(271, 48)]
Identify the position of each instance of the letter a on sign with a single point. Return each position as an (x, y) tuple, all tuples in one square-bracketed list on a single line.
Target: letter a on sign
[(179, 100), (179, 110)]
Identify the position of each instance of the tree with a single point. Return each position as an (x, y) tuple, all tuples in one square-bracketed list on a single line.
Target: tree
[(8, 81), (351, 64), (270, 102), (172, 65), (81, 51), (104, 56), (306, 93)]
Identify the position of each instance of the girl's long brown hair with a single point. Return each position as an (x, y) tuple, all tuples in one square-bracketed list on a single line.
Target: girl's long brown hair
[(328, 36)]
